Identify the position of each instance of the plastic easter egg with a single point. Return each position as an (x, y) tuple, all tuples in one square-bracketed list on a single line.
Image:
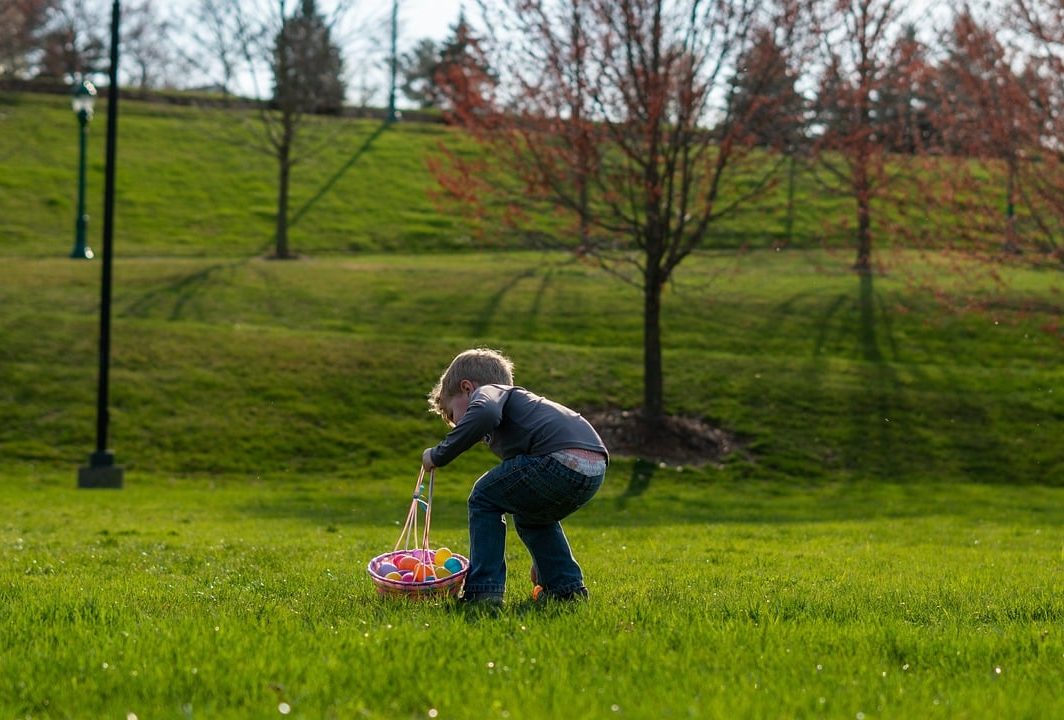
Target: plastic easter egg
[(441, 556), (386, 568), (442, 572), (421, 572), (407, 562), (408, 577), (453, 564), (394, 575)]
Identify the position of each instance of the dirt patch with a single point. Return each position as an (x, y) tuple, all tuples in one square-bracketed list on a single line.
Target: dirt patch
[(676, 440)]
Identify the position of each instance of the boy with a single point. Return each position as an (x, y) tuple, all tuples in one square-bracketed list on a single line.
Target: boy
[(553, 462)]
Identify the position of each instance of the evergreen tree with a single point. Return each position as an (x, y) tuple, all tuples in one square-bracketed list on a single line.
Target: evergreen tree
[(764, 99), (904, 100), (462, 74), (308, 69), (418, 70)]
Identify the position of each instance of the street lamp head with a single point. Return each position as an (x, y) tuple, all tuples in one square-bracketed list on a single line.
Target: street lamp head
[(84, 99)]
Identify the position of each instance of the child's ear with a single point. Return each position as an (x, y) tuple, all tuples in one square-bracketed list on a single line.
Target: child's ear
[(467, 386)]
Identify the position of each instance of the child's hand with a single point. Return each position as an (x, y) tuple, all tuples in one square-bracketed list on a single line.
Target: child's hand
[(426, 459)]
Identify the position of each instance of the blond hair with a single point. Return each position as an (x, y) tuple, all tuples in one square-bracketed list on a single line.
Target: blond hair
[(482, 366)]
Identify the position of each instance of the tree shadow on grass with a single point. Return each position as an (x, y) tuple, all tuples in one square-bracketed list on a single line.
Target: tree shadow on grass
[(487, 314), (331, 182), (890, 435), (179, 293), (638, 481), (653, 498)]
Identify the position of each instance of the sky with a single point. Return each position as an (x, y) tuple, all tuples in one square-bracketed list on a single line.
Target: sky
[(364, 37), (418, 19), (427, 18)]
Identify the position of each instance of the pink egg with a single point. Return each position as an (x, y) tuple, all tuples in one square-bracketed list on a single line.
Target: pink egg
[(408, 576)]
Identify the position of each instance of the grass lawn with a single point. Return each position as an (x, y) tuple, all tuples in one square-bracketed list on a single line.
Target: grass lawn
[(887, 545), (237, 598), (228, 598)]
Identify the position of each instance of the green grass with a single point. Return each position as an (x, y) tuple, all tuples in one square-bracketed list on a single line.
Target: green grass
[(322, 365), (886, 544), (711, 599), (196, 182), (193, 182)]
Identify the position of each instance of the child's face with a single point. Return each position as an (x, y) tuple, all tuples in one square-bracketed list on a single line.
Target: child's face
[(456, 407)]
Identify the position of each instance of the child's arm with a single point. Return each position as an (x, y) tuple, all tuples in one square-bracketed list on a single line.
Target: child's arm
[(482, 416)]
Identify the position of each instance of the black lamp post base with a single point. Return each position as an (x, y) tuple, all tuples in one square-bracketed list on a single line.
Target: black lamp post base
[(101, 472)]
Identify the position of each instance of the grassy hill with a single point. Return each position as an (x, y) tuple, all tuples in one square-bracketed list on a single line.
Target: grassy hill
[(195, 182), (228, 363), (257, 366), (885, 543)]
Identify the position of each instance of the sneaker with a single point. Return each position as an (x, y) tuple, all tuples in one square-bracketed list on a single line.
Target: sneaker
[(544, 596), (480, 601)]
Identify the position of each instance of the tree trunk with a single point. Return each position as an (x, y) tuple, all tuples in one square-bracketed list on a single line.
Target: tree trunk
[(863, 263), (653, 386), (284, 170)]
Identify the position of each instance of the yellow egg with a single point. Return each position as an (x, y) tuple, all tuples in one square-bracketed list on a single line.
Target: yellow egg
[(441, 555), (394, 575), (442, 572)]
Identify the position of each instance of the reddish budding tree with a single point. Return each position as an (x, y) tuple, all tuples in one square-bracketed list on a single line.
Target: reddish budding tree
[(862, 54), (1041, 24), (22, 23), (987, 131), (621, 114), (999, 120)]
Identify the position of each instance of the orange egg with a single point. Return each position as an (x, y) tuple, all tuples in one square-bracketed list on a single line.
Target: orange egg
[(421, 572), (407, 562)]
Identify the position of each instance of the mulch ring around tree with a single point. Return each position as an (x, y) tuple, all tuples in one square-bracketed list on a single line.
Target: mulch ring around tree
[(676, 440)]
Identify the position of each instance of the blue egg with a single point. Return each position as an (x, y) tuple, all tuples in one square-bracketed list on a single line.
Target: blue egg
[(453, 564), (386, 568)]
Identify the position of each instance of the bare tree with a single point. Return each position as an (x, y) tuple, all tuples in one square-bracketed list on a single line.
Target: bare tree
[(148, 47), (73, 43), (857, 41), (21, 24), (1041, 24), (987, 127), (618, 113), (293, 48), (220, 41)]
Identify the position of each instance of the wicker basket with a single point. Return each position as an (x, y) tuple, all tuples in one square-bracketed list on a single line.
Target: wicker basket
[(440, 587)]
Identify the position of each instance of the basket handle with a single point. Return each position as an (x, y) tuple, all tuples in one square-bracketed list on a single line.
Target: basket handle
[(409, 531)]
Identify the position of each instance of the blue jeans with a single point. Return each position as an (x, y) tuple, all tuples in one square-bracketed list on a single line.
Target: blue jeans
[(538, 491)]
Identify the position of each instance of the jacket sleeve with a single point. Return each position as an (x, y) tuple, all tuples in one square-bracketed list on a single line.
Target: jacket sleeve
[(481, 417)]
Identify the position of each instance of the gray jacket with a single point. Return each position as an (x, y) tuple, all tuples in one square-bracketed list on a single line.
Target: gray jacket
[(514, 421)]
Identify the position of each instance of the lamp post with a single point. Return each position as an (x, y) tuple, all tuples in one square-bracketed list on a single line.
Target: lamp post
[(394, 64), (101, 472), (83, 102)]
